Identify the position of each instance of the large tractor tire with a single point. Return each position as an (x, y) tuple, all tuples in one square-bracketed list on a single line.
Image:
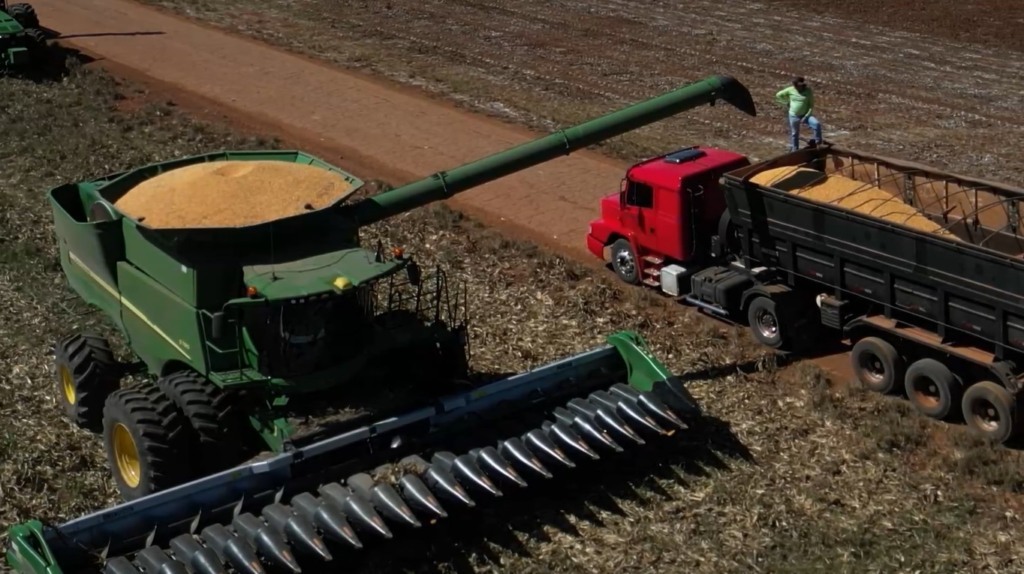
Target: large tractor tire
[(213, 420), (146, 441), (86, 373), (24, 14)]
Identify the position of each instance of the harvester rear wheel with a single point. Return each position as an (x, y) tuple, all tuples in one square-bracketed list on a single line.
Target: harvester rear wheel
[(24, 14), (86, 373), (213, 419), (38, 46), (145, 439)]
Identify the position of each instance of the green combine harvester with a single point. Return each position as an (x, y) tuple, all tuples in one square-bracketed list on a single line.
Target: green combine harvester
[(22, 41), (213, 315)]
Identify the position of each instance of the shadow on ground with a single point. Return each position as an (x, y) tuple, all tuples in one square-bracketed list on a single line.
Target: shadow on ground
[(58, 62)]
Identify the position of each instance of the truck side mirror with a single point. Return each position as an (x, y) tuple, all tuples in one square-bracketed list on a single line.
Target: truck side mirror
[(217, 324)]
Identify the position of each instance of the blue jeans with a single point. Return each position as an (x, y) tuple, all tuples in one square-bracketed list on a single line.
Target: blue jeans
[(794, 130)]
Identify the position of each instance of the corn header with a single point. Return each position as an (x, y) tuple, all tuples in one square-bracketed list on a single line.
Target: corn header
[(231, 325)]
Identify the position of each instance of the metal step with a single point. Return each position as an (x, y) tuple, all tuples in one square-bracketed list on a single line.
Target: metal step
[(652, 271), (412, 493), (653, 259), (652, 282)]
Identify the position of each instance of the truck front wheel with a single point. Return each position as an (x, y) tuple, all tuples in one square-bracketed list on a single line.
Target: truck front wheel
[(624, 262), (990, 412), (877, 364), (765, 324), (932, 388)]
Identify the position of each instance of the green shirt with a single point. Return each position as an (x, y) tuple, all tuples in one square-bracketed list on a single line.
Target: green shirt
[(800, 105)]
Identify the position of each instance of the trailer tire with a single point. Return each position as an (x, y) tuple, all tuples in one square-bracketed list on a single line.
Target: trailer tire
[(213, 420), (877, 365), (85, 374), (146, 441), (932, 388), (765, 322), (990, 412), (624, 262)]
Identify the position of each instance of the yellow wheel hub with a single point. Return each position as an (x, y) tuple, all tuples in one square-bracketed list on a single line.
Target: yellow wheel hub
[(126, 455), (67, 382)]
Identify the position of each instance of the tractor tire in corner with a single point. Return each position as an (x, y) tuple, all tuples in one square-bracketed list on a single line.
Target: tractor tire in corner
[(86, 374), (146, 441), (213, 422), (24, 14), (37, 48)]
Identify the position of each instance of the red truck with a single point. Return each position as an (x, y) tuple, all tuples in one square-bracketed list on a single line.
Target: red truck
[(933, 310)]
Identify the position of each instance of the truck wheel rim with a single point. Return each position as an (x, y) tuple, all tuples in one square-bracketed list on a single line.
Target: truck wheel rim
[(767, 324), (625, 262), (872, 367), (126, 455), (927, 392), (67, 383), (986, 415)]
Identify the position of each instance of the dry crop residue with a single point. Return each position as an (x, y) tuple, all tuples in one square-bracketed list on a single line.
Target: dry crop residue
[(850, 194), (231, 194)]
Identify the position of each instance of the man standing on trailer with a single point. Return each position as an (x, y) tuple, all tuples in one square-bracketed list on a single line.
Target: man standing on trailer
[(800, 99)]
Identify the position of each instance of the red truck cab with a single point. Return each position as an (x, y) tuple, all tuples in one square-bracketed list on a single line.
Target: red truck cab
[(665, 212)]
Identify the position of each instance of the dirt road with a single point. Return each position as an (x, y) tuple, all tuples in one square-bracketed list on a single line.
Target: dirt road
[(388, 132)]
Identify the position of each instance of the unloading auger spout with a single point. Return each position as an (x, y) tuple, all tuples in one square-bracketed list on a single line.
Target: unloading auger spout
[(445, 184)]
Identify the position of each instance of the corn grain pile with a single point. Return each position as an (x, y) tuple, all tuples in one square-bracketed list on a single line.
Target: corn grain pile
[(850, 194), (231, 194)]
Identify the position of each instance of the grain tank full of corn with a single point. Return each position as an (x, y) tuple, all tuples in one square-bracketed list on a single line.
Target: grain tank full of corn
[(239, 282)]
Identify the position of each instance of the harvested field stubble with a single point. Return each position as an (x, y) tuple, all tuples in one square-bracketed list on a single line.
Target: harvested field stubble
[(850, 194), (231, 194), (840, 479), (880, 89)]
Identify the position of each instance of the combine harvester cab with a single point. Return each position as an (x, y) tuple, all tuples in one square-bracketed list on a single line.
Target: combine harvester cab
[(235, 316)]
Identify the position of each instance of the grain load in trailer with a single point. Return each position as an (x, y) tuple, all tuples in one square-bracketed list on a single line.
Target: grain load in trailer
[(849, 193)]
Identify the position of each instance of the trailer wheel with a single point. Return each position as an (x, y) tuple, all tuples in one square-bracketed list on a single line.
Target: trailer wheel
[(624, 262), (932, 388), (214, 422), (877, 364), (990, 411), (86, 372), (764, 322), (145, 440)]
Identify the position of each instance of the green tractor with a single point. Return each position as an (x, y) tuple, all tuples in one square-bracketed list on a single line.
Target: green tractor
[(236, 324), (232, 323), (22, 41)]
